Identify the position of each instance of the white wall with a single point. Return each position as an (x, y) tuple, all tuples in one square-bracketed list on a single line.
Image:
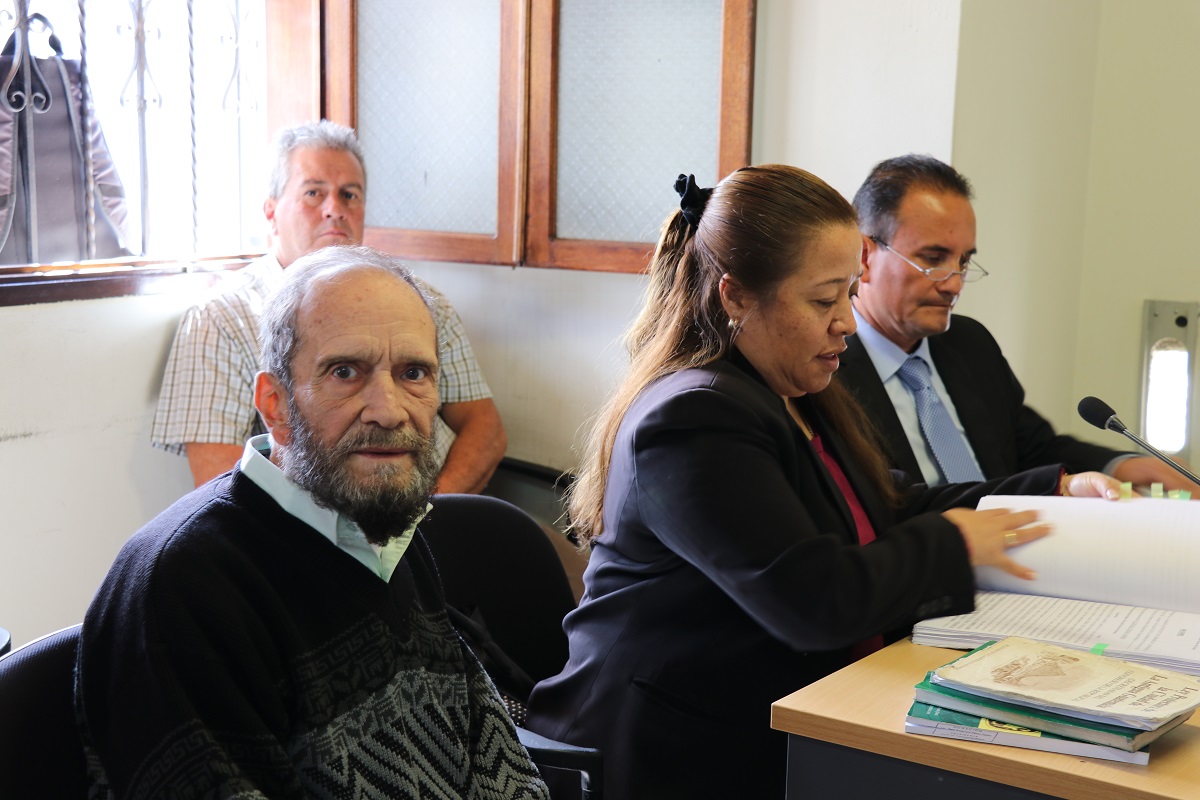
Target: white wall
[(1022, 136), (549, 341), (77, 473), (1144, 192), (843, 84), (1077, 122)]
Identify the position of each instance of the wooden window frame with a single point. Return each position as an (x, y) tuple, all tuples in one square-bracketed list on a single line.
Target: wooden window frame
[(32, 284), (545, 249), (312, 55), (527, 174), (340, 86)]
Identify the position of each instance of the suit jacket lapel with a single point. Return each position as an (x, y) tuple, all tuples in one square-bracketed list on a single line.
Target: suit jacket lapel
[(867, 498), (828, 487), (859, 375)]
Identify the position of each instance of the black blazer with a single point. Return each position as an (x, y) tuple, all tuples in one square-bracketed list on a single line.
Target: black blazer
[(1006, 435), (728, 575)]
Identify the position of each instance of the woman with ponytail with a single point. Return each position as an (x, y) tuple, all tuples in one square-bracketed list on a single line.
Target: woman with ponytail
[(746, 535)]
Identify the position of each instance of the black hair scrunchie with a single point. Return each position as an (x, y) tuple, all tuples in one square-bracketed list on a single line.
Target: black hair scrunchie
[(692, 199)]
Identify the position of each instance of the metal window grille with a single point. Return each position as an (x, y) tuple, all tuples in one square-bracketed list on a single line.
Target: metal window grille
[(167, 100)]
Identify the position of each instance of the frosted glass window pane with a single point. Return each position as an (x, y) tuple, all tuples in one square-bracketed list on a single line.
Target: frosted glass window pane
[(638, 104), (1167, 396), (428, 112)]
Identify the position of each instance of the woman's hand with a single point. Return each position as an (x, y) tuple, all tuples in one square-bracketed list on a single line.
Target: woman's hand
[(1090, 484), (989, 534)]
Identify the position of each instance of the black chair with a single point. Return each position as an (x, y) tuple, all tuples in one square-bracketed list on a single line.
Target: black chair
[(504, 579), (40, 751)]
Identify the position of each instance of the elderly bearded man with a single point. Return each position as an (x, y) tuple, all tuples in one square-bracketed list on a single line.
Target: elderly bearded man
[(280, 632)]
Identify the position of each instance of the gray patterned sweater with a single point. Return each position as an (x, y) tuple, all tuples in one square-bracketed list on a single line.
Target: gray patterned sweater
[(234, 652)]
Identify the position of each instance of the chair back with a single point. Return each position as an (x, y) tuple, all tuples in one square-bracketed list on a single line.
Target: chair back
[(498, 567), (41, 754)]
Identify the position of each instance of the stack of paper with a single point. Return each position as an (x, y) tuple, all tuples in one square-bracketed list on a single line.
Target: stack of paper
[(1114, 577), (930, 720), (1081, 698), (1150, 636)]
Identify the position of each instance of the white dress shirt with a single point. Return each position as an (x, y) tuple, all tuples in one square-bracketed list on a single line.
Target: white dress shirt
[(341, 531), (887, 358)]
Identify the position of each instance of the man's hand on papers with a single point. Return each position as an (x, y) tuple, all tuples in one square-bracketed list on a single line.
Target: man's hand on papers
[(1093, 484), (989, 535), (1144, 471)]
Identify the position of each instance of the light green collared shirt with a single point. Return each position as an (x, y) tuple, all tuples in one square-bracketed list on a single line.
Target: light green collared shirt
[(339, 530)]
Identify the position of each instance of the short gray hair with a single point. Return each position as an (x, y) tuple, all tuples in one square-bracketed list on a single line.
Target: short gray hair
[(323, 135), (278, 337)]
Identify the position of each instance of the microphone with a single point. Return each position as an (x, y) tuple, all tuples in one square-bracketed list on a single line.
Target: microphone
[(1099, 413)]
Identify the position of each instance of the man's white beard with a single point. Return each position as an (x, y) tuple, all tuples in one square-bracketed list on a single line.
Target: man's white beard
[(382, 505)]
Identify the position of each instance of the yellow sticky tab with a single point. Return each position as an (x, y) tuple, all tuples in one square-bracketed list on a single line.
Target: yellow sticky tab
[(1156, 490), (1172, 494), (1098, 649), (1126, 490)]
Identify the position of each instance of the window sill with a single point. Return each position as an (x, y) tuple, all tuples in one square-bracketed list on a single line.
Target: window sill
[(93, 280)]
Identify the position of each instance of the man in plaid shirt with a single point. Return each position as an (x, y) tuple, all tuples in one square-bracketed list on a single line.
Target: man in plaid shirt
[(317, 198)]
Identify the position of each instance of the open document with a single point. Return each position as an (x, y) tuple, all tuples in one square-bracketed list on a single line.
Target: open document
[(1121, 578)]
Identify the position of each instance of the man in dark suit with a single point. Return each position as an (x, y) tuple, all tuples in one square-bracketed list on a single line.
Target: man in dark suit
[(942, 395)]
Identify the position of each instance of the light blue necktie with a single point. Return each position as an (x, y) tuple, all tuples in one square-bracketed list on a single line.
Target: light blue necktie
[(947, 443)]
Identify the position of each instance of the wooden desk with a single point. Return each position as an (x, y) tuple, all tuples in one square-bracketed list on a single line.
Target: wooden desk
[(847, 739)]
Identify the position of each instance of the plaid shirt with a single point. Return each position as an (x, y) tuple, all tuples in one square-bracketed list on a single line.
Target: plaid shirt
[(208, 386)]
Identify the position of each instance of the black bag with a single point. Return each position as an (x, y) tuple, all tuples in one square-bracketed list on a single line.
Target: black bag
[(47, 177)]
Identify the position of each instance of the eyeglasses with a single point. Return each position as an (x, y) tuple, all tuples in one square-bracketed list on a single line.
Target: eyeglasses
[(970, 270)]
